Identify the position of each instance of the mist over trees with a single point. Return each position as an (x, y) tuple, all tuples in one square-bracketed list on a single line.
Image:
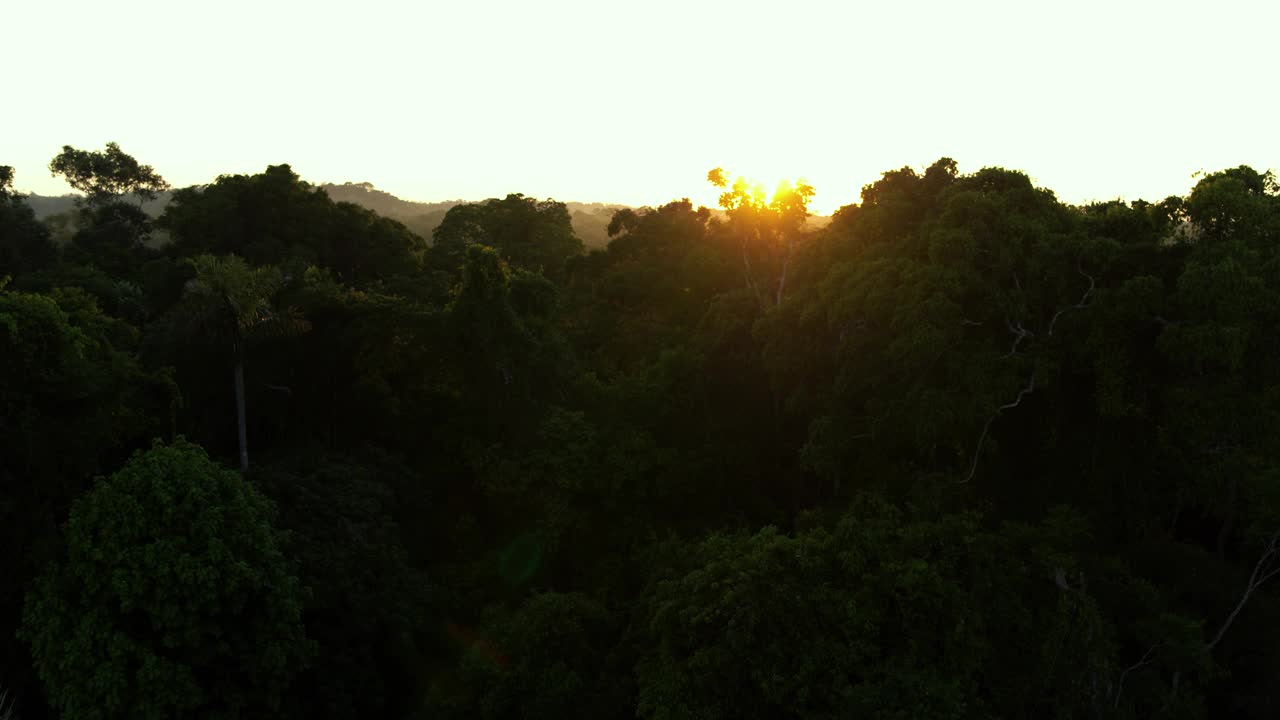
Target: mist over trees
[(589, 220), (276, 449)]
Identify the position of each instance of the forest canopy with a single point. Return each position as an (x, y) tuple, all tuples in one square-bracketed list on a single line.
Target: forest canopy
[(964, 451)]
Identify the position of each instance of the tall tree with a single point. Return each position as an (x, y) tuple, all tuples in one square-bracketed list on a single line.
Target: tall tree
[(534, 235), (107, 176), (228, 304), (275, 216), (768, 227)]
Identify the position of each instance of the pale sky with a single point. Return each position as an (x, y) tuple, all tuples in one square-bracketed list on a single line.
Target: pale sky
[(595, 100)]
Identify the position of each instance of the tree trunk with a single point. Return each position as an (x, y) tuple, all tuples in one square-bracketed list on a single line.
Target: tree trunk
[(751, 281), (786, 264), (244, 441)]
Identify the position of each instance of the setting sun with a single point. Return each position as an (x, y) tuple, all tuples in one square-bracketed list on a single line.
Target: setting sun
[(747, 190)]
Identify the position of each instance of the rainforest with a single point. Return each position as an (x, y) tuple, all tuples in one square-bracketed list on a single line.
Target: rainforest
[(960, 450)]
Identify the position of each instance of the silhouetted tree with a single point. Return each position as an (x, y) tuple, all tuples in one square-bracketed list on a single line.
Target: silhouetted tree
[(107, 176)]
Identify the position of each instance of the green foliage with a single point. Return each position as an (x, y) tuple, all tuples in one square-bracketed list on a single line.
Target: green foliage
[(228, 300), (72, 400), (878, 616), (965, 451), (225, 307), (275, 216), (112, 236), (527, 233), (506, 355), (375, 368), (172, 598), (365, 601), (923, 336), (647, 291), (548, 659), (25, 245), (767, 228)]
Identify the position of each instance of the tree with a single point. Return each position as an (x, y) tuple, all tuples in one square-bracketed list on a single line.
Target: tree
[(274, 217), (25, 244), (649, 287), (527, 233), (172, 599), (932, 311), (73, 402), (877, 616), (365, 601), (546, 660), (768, 228), (229, 304), (107, 176), (374, 368), (112, 237), (509, 355)]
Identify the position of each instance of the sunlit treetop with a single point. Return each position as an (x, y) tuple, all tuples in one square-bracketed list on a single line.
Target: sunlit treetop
[(790, 198)]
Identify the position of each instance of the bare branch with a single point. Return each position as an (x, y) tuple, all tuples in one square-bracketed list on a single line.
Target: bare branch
[(1222, 447), (1084, 299), (6, 707), (278, 388), (977, 451), (1146, 660), (750, 278), (786, 264), (1263, 571), (1020, 334)]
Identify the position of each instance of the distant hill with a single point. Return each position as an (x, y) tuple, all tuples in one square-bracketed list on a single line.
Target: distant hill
[(46, 206), (366, 195), (590, 220), (59, 213)]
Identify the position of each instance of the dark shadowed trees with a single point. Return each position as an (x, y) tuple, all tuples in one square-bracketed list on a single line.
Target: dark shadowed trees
[(228, 305), (172, 597), (25, 244), (274, 216), (967, 451), (534, 235)]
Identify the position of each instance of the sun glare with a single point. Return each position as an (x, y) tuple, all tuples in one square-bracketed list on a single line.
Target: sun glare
[(762, 188), (781, 193)]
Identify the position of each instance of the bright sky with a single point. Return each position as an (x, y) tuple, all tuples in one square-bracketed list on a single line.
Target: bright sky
[(595, 100)]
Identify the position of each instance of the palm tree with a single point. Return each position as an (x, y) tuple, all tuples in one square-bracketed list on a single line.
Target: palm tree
[(229, 303)]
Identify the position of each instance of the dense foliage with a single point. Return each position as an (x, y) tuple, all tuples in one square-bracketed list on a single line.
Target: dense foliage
[(174, 599), (965, 451)]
